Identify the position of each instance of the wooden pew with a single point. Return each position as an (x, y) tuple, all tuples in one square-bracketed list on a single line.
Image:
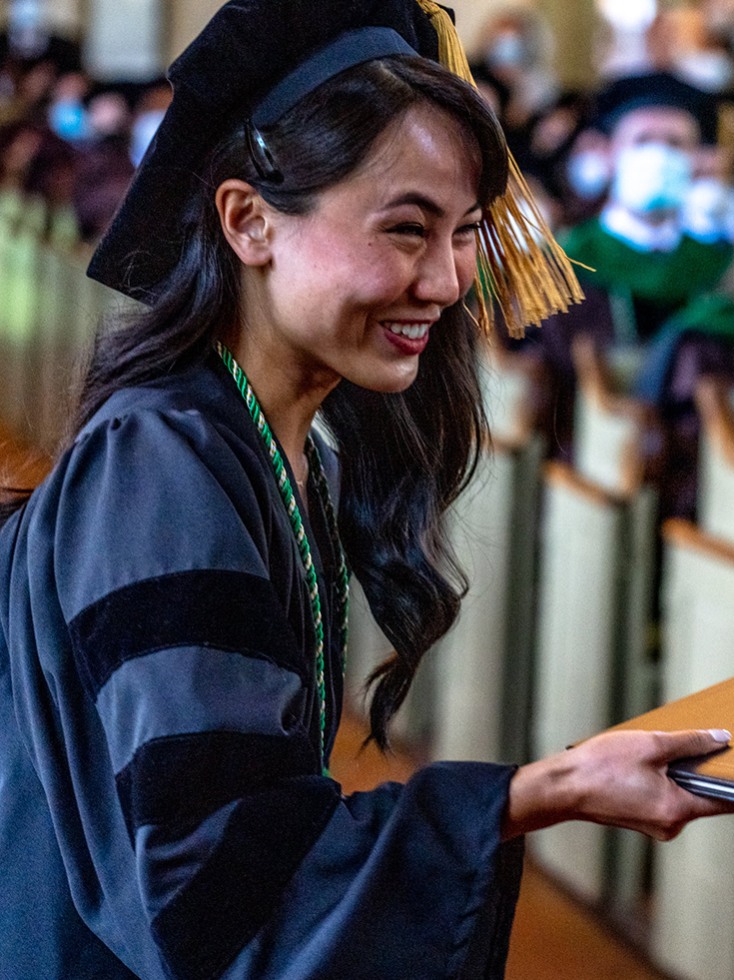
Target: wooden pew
[(70, 308), (595, 655), (22, 467), (618, 440), (483, 667), (715, 492), (20, 283), (693, 921)]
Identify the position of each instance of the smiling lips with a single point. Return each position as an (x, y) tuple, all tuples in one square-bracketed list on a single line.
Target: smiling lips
[(409, 336), (409, 329)]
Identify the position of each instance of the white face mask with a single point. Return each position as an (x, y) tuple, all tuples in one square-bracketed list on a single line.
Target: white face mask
[(144, 129), (651, 177), (25, 15), (588, 173), (708, 212), (27, 27), (508, 50)]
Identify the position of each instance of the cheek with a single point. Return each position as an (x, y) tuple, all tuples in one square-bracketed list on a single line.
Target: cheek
[(375, 276), (466, 270)]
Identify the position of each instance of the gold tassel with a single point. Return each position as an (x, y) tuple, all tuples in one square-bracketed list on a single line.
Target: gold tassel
[(451, 52), (521, 265)]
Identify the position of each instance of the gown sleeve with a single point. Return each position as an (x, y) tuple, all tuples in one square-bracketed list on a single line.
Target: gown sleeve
[(189, 807)]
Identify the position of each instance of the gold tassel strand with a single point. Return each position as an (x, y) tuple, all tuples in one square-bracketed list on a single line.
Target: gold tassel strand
[(521, 265), (451, 52), (530, 275)]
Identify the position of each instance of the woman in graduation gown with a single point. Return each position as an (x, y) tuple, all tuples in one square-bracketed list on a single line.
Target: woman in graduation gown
[(302, 233)]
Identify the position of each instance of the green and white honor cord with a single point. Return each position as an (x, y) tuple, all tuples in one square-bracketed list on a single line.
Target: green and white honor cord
[(304, 549)]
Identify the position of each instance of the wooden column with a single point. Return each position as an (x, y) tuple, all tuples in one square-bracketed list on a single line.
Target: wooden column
[(184, 19), (124, 38), (573, 23)]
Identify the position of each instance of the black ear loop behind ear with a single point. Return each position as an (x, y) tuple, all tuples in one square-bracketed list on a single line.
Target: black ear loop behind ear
[(260, 155)]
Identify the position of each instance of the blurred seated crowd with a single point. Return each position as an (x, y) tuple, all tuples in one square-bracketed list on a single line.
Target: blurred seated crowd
[(69, 143), (635, 177), (633, 173)]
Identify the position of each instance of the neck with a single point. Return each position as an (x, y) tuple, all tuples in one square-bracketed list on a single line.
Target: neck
[(288, 400)]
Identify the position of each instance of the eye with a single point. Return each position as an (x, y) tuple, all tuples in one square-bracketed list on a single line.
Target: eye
[(412, 228), (468, 230)]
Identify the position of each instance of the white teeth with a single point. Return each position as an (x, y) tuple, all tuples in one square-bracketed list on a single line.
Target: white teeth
[(411, 331)]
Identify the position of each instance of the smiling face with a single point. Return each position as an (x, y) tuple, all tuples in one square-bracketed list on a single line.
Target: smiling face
[(352, 289)]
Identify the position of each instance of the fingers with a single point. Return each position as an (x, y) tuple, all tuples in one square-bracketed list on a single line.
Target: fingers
[(622, 779), (690, 806), (685, 744), (618, 778)]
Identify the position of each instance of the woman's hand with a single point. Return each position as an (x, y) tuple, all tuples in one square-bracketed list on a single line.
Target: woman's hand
[(616, 778)]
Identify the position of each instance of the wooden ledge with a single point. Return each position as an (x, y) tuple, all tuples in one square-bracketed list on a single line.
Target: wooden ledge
[(714, 405), (685, 534), (562, 475)]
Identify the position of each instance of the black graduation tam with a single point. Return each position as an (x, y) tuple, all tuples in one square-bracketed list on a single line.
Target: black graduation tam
[(243, 55), (656, 89)]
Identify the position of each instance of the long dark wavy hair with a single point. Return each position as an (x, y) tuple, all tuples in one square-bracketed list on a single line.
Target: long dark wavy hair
[(404, 457)]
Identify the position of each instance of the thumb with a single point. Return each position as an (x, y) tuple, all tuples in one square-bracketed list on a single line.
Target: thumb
[(684, 744)]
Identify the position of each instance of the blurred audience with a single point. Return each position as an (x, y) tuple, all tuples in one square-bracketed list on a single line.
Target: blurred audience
[(68, 145), (662, 240), (585, 176), (514, 71), (658, 134), (515, 51)]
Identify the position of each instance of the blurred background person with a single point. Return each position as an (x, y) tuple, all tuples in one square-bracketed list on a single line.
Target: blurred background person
[(652, 133), (104, 168), (516, 47), (66, 113), (585, 176), (150, 109), (515, 71)]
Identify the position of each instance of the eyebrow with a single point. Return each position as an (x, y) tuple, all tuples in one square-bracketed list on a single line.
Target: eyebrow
[(425, 203)]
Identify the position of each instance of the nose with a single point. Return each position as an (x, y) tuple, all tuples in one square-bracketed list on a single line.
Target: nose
[(440, 277)]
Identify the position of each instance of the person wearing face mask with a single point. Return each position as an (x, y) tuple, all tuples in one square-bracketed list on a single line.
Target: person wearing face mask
[(708, 212), (104, 169), (585, 176), (67, 113), (516, 48), (642, 264), (149, 112), (655, 128)]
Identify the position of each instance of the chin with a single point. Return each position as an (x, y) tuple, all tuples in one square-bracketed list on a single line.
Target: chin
[(391, 385)]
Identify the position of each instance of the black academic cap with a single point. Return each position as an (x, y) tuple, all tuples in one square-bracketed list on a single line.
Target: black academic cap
[(240, 56), (656, 89)]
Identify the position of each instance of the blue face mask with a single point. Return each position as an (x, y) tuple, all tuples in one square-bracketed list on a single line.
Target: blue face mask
[(651, 177), (68, 119)]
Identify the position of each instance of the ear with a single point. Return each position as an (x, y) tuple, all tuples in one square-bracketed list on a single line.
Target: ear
[(245, 219)]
